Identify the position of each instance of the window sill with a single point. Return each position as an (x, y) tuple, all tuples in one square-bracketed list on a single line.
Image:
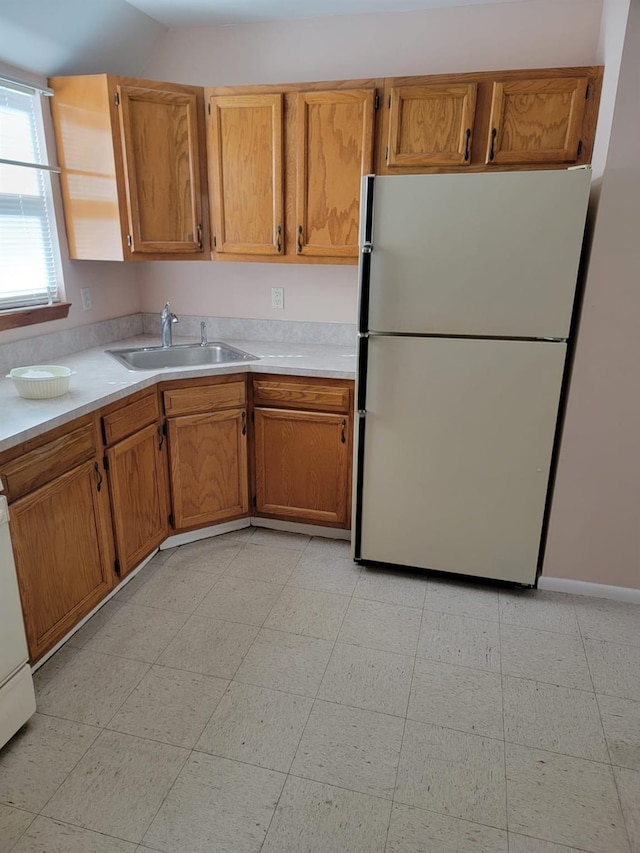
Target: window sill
[(30, 316)]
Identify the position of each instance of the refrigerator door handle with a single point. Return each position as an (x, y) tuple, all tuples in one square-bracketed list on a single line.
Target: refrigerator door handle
[(366, 213)]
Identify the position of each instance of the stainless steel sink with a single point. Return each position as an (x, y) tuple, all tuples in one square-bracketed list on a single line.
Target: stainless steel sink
[(181, 355)]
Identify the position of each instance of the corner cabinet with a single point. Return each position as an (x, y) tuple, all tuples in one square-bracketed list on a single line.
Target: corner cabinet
[(132, 154), (207, 434), (285, 167), (303, 450), (60, 529), (525, 119)]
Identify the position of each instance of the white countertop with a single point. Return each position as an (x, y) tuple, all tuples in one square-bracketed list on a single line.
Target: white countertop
[(100, 380)]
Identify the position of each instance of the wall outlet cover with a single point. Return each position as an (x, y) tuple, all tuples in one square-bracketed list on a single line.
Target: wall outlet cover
[(85, 296), (277, 298)]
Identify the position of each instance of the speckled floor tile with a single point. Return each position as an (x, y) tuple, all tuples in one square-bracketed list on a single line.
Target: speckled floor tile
[(563, 799), (613, 621), (325, 572), (97, 621), (216, 805), (457, 697), (211, 556), (378, 625), (240, 600), (118, 786), (452, 773), (308, 612), (170, 705), (449, 638), (544, 656), (279, 539), (560, 719), (13, 822), (264, 563), (50, 836), (39, 757), (621, 724), (368, 678), (351, 748), (85, 686), (414, 830), (324, 545), (286, 662), (392, 586), (470, 598), (256, 726), (176, 588), (315, 818), (615, 668), (209, 646), (628, 784), (139, 633), (526, 844), (539, 609)]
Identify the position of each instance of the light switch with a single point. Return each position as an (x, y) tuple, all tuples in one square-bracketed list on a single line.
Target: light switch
[(277, 298)]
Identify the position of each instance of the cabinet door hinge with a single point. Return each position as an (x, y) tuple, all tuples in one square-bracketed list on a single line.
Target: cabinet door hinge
[(579, 149), (105, 463), (254, 502), (386, 154), (214, 241), (389, 102), (171, 524), (116, 99), (164, 428), (587, 94), (253, 417), (209, 108), (376, 103), (116, 567)]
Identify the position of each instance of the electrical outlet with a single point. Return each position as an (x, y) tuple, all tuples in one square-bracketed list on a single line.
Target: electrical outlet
[(85, 296), (277, 298)]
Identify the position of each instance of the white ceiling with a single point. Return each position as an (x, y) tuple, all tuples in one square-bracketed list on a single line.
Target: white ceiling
[(196, 13)]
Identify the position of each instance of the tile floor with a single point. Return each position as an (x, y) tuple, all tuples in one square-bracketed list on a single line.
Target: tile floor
[(260, 692)]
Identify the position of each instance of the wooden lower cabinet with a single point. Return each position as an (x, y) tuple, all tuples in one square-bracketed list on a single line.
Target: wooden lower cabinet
[(138, 484), (208, 467), (64, 559), (302, 466)]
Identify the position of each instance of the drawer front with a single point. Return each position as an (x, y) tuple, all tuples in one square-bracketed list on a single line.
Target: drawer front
[(129, 419), (47, 462), (204, 398), (300, 395)]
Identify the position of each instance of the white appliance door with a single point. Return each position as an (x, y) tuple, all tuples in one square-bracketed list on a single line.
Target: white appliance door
[(481, 254), (457, 453), (13, 644)]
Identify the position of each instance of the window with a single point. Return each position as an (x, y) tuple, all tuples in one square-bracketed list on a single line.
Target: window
[(29, 259)]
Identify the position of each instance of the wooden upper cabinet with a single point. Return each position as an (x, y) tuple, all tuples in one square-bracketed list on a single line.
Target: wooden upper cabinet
[(537, 121), (430, 125), (246, 173), (159, 131), (133, 161), (334, 150)]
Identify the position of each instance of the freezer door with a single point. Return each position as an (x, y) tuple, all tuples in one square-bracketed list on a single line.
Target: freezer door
[(481, 254), (457, 452)]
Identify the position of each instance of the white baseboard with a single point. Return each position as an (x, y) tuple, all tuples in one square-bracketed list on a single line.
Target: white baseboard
[(296, 527), (204, 533), (597, 590)]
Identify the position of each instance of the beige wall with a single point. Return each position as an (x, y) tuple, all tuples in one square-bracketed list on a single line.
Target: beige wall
[(594, 532), (537, 33)]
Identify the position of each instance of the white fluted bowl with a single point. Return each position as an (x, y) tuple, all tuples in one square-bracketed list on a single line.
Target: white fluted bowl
[(41, 381)]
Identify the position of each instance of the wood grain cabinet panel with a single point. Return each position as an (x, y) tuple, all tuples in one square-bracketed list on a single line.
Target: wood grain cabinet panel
[(133, 161), (302, 466), (138, 486), (62, 546), (335, 148), (246, 173), (431, 125), (208, 467)]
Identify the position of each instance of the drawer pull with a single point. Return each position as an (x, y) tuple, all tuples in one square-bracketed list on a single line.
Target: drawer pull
[(343, 437), (244, 423), (99, 473)]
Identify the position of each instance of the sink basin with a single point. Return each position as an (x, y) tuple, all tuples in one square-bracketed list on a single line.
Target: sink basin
[(181, 355)]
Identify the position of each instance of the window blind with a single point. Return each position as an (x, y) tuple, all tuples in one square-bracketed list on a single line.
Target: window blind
[(28, 252)]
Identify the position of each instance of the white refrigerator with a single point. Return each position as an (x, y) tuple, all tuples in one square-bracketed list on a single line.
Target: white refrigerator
[(467, 286)]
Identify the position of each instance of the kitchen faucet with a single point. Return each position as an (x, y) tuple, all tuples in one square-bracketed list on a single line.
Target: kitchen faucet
[(203, 334), (167, 319)]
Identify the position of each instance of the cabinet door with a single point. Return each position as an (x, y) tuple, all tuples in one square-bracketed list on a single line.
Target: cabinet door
[(138, 496), (245, 146), (303, 466), (536, 121), (335, 145), (431, 125), (161, 161), (63, 553), (208, 467)]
